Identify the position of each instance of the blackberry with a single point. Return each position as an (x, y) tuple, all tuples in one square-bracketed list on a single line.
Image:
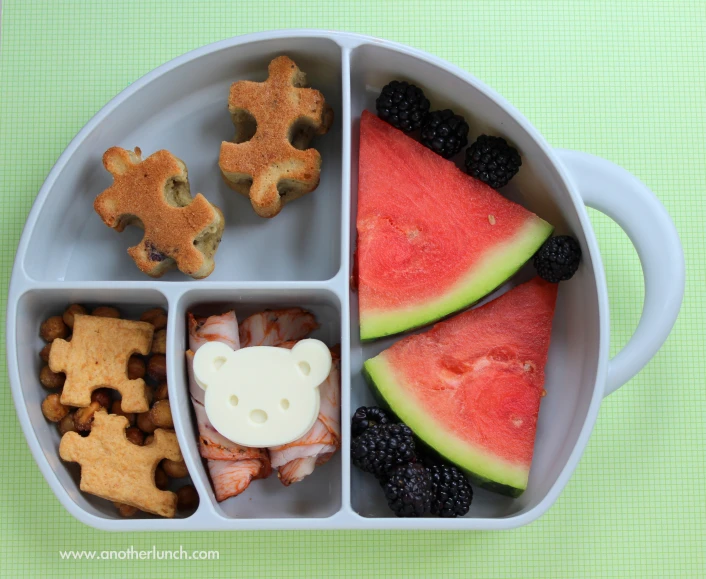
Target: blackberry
[(365, 417), (492, 160), (382, 447), (403, 105), (444, 133), (408, 490), (558, 259), (451, 493)]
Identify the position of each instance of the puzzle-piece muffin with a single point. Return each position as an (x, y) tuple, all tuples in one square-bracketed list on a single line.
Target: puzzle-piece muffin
[(154, 194), (275, 121), (114, 468)]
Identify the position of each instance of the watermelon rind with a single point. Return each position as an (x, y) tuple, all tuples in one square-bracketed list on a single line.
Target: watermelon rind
[(491, 271), (485, 470)]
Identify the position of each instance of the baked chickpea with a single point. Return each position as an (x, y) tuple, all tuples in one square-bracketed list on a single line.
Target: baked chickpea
[(104, 397), (71, 311), (66, 424), (160, 479), (157, 368), (135, 435), (83, 417), (174, 469), (145, 424), (148, 439), (53, 328), (126, 510), (51, 379), (116, 408), (135, 368), (53, 409), (44, 353), (187, 498), (156, 316), (149, 394), (159, 342), (106, 312), (161, 392), (161, 414)]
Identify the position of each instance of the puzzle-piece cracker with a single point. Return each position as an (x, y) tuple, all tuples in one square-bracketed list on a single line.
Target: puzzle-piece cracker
[(114, 468), (97, 357), (274, 166), (154, 194)]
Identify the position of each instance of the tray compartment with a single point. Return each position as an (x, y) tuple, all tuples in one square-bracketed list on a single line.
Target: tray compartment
[(33, 308), (185, 111), (317, 496), (570, 379)]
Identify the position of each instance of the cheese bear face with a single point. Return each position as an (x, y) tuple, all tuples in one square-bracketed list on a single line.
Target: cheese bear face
[(262, 396)]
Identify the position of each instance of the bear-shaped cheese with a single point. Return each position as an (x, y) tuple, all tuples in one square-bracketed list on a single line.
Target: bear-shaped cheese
[(262, 396)]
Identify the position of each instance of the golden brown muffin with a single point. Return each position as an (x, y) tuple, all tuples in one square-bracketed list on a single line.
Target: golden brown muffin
[(275, 120), (154, 194)]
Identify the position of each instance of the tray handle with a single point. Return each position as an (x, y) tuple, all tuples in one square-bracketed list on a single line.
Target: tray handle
[(612, 190)]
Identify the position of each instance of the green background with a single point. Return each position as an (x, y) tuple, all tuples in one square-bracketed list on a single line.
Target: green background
[(621, 79)]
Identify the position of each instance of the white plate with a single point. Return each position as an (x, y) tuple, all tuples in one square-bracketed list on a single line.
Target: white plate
[(303, 258)]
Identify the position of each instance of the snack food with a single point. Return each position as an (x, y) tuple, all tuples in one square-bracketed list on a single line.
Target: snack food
[(154, 194), (155, 316), (274, 120), (51, 379), (82, 420), (106, 312), (558, 259), (431, 239), (275, 327), (66, 424), (470, 387), (53, 409), (159, 342), (161, 414), (233, 467), (71, 311), (408, 490), (451, 493), (492, 160), (97, 356), (187, 497), (83, 417), (403, 105), (53, 328), (298, 459), (115, 469), (262, 396), (444, 132), (414, 482), (381, 448)]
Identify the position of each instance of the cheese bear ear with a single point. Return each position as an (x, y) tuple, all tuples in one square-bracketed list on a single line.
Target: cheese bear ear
[(312, 360), (208, 361)]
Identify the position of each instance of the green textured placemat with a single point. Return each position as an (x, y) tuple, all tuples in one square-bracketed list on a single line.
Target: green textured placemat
[(621, 79)]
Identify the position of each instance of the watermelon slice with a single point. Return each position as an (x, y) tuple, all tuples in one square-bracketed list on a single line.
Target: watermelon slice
[(470, 387), (431, 239)]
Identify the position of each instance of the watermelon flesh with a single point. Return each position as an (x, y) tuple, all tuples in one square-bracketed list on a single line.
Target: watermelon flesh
[(470, 387), (431, 239)]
